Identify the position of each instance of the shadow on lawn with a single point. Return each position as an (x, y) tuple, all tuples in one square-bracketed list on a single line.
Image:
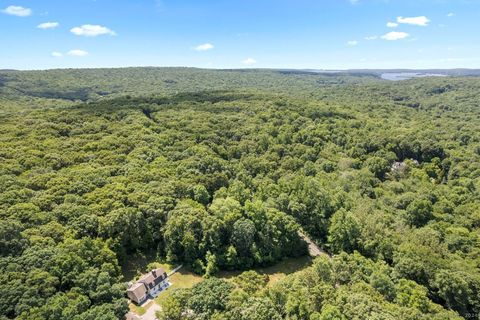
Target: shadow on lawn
[(136, 264), (277, 271)]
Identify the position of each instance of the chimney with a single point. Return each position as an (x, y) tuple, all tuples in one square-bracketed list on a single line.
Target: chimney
[(154, 272)]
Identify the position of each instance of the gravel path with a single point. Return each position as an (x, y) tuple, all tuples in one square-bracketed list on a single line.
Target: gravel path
[(313, 249), (150, 314)]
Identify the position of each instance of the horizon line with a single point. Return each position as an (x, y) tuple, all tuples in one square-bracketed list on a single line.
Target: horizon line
[(313, 70)]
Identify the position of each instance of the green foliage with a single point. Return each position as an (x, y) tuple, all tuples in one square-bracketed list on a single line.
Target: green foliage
[(383, 284), (208, 297), (251, 281), (329, 313), (313, 293), (458, 290), (212, 264), (11, 240), (344, 232), (419, 212), (255, 309), (411, 295), (171, 308), (221, 170)]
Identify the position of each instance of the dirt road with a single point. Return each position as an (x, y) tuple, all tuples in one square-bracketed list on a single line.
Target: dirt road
[(313, 249)]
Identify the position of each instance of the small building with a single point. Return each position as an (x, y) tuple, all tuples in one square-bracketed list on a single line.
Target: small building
[(149, 285)]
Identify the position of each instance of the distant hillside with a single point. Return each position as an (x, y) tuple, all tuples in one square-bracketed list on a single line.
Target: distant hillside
[(379, 72), (92, 84), (86, 84)]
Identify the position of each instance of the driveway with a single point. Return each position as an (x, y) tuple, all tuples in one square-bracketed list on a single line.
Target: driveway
[(150, 313), (313, 249)]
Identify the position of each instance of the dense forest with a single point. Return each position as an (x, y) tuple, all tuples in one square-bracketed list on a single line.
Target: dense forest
[(222, 170)]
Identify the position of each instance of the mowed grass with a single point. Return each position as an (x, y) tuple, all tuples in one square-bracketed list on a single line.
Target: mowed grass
[(275, 272), (183, 278), (136, 264), (140, 310)]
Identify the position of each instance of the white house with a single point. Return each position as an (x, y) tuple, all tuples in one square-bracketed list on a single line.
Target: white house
[(149, 285)]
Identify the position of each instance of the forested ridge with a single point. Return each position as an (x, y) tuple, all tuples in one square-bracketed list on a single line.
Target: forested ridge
[(220, 170)]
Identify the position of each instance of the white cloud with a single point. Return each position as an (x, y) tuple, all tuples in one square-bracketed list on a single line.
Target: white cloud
[(370, 38), (77, 53), (392, 24), (451, 14), (249, 61), (90, 30), (56, 54), (17, 11), (48, 25), (352, 43), (204, 47), (394, 35), (354, 1), (416, 21)]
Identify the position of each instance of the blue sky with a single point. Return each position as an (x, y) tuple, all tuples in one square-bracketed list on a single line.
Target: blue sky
[(317, 34)]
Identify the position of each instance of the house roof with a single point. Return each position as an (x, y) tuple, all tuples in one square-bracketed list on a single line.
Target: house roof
[(153, 278), (137, 291)]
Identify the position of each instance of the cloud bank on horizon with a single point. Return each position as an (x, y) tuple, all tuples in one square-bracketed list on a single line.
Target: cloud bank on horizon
[(279, 33)]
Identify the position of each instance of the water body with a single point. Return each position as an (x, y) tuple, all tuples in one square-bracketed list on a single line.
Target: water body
[(399, 76)]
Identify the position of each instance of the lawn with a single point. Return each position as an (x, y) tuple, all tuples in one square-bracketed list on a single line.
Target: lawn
[(136, 264), (275, 272), (181, 279), (140, 310)]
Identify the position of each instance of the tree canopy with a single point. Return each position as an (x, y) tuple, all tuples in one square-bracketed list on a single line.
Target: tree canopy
[(223, 170)]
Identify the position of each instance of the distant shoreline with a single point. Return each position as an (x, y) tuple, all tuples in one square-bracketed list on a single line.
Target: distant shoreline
[(375, 72), (400, 76)]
